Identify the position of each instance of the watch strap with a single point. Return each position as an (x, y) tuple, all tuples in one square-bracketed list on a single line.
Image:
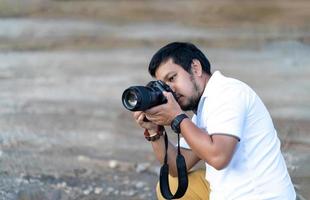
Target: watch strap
[(175, 124)]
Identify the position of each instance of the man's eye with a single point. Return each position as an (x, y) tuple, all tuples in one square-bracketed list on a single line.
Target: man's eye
[(172, 78)]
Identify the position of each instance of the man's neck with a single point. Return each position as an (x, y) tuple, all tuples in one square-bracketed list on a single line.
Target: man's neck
[(205, 81)]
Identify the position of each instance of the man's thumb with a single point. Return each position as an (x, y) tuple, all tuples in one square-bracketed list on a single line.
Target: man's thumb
[(168, 95)]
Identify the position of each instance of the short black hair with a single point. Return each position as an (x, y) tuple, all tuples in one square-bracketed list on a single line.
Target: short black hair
[(182, 53)]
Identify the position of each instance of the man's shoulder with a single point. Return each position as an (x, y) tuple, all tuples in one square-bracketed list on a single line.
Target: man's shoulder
[(222, 84), (230, 87)]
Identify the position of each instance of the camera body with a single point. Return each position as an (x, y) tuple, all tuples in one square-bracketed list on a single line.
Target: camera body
[(141, 98)]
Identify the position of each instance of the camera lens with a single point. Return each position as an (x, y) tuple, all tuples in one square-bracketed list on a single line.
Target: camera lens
[(130, 98), (141, 98)]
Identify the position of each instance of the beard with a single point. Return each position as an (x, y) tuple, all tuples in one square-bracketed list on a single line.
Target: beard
[(191, 105), (193, 101)]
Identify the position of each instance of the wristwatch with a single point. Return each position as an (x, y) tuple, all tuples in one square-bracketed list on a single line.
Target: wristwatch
[(175, 124)]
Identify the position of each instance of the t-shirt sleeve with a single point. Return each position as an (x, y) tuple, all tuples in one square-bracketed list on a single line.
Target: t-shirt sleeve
[(227, 113), (183, 143)]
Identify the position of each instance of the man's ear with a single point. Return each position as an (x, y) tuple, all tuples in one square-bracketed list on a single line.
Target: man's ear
[(196, 67)]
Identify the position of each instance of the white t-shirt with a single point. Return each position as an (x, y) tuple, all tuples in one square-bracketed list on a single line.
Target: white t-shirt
[(257, 170)]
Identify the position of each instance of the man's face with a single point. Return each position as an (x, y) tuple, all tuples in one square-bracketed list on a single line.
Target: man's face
[(183, 83)]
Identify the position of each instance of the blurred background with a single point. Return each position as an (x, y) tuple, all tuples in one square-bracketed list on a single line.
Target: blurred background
[(65, 63)]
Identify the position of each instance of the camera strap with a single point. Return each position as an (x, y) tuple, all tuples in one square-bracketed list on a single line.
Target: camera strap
[(182, 174)]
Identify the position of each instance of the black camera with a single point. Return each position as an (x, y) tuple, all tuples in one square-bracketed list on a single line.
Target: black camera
[(141, 98)]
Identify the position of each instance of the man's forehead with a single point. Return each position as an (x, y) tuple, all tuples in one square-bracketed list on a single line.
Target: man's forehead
[(165, 68)]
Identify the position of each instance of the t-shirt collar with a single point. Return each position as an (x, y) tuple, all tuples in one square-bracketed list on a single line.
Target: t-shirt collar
[(209, 87)]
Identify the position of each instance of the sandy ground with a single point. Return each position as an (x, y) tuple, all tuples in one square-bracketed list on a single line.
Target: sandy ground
[(64, 65)]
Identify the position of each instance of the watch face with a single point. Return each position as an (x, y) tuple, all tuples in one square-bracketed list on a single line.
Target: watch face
[(175, 128)]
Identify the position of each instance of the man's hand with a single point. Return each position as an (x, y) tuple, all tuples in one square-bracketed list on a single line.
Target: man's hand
[(140, 117), (165, 113)]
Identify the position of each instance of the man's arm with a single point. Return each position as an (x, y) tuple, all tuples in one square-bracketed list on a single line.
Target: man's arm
[(217, 149)]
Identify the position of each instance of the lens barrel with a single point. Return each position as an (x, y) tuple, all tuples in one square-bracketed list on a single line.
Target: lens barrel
[(141, 98)]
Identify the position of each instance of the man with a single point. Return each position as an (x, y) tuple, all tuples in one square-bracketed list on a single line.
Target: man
[(231, 130)]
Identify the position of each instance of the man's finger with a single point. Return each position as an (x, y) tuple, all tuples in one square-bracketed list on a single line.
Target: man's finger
[(168, 95), (141, 118), (153, 110), (137, 114)]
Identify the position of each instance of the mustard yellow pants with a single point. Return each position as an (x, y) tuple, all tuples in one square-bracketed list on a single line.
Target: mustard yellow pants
[(198, 186)]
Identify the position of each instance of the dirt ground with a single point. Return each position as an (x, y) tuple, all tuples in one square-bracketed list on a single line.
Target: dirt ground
[(65, 63)]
